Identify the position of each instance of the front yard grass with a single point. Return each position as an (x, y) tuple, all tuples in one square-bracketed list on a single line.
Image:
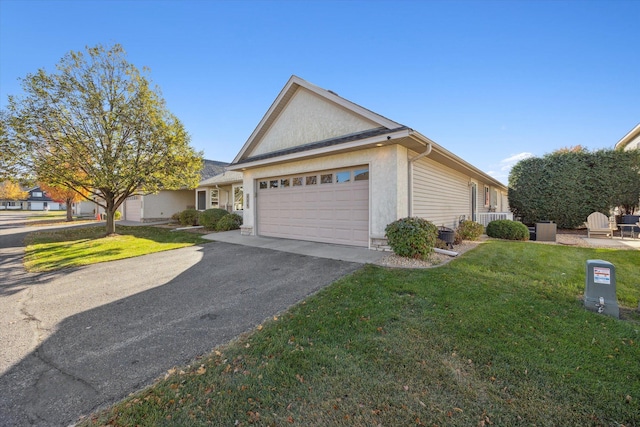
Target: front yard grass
[(498, 337), (73, 247)]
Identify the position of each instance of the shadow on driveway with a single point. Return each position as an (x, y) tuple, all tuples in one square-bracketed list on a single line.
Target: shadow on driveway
[(98, 356)]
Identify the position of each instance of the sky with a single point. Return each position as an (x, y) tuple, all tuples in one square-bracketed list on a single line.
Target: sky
[(491, 81)]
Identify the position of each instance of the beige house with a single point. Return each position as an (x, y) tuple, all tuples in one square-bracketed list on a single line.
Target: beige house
[(223, 191), (165, 203), (321, 168), (630, 141)]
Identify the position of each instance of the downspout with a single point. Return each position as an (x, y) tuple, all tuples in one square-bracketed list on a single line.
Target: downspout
[(425, 153)]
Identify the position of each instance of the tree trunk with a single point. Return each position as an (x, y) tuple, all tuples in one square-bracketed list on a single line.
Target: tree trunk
[(111, 224), (69, 213)]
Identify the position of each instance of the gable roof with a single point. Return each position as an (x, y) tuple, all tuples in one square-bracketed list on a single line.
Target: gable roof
[(212, 168), (283, 98), (628, 138), (381, 131)]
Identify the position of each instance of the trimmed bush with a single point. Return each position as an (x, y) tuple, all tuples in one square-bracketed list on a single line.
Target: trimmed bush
[(209, 218), (228, 222), (117, 215), (508, 230), (469, 230), (189, 217), (412, 237)]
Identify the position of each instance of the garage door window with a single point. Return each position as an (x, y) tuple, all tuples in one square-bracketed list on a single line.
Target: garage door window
[(296, 182), (326, 178), (361, 175), (312, 180), (273, 183), (284, 182), (263, 185), (344, 176)]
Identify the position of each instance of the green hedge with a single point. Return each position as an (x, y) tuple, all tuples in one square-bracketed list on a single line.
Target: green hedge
[(209, 218), (412, 237), (469, 230), (228, 222), (189, 217), (508, 230), (568, 185)]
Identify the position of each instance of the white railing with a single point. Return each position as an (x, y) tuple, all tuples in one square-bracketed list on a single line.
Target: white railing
[(485, 218)]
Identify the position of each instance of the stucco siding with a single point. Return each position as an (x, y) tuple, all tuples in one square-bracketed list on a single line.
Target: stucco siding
[(310, 118), (440, 194), (166, 203), (633, 144)]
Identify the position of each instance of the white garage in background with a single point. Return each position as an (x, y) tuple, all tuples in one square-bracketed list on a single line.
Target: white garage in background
[(321, 168)]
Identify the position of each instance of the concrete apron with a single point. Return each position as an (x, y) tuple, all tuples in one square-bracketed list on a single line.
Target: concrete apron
[(615, 242), (300, 247)]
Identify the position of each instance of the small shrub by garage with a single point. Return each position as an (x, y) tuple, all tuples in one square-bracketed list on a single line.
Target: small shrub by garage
[(469, 230), (189, 217), (209, 218), (228, 222), (508, 230), (412, 237)]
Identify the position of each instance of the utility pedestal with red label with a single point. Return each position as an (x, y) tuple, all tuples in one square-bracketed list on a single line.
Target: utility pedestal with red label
[(600, 291)]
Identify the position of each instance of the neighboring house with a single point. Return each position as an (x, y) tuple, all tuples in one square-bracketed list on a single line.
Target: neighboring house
[(39, 201), (321, 168), (161, 206), (630, 141), (223, 191)]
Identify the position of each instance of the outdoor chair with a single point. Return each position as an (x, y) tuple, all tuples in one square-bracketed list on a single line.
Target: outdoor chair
[(598, 223)]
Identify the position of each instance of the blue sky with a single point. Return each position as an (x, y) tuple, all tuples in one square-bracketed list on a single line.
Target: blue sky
[(491, 81)]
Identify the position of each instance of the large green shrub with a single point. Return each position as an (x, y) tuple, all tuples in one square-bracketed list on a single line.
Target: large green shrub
[(568, 185), (412, 237), (209, 218), (189, 217), (469, 230), (228, 222), (507, 229)]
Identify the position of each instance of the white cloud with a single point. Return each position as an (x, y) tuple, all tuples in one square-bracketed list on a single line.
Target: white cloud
[(506, 165), (516, 158)]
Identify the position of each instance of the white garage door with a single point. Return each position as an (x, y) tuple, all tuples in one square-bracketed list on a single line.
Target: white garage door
[(329, 206), (133, 208)]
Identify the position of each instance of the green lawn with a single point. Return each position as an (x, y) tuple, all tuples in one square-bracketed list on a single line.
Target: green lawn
[(73, 247), (498, 337)]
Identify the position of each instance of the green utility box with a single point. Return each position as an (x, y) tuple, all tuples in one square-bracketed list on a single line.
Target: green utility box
[(600, 289)]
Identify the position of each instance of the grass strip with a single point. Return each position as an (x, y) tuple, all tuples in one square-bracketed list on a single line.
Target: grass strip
[(496, 337), (77, 246)]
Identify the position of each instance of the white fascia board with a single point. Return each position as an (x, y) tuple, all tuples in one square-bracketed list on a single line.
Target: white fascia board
[(628, 138), (385, 139)]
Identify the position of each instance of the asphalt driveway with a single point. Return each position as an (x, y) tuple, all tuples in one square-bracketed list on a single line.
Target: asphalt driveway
[(76, 341)]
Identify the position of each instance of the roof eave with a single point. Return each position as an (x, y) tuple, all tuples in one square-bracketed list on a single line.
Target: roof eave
[(625, 140)]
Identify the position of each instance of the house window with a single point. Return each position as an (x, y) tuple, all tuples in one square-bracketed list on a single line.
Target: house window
[(238, 198), (343, 176), (36, 194), (487, 200), (361, 175), (326, 178), (296, 182), (215, 198), (494, 198)]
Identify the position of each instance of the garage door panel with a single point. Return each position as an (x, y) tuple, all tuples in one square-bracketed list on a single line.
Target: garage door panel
[(332, 212)]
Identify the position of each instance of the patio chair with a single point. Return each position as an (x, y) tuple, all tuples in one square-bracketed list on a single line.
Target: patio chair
[(598, 223)]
